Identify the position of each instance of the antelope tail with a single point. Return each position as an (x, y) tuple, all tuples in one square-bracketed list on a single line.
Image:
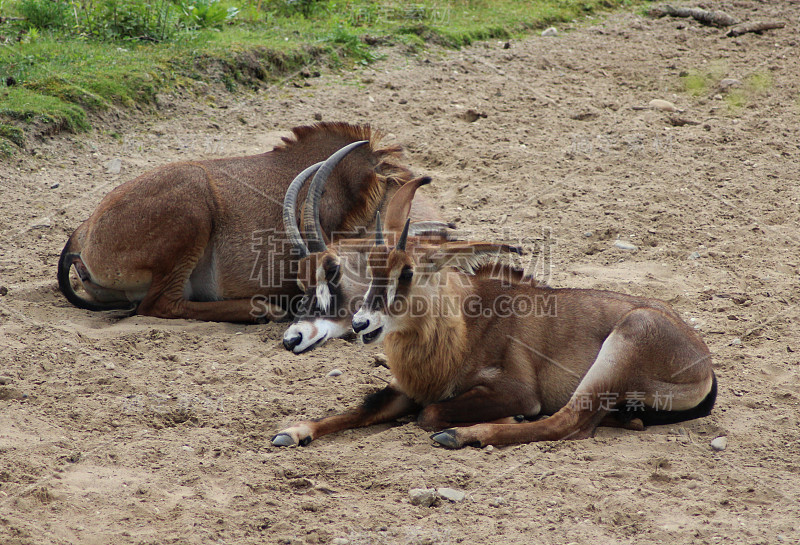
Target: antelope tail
[(64, 264)]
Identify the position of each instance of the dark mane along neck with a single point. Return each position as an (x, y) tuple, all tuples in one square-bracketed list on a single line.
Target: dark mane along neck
[(504, 272), (338, 134), (330, 130), (367, 174)]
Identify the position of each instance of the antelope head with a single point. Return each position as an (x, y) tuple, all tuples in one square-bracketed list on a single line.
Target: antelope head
[(333, 278), (409, 282)]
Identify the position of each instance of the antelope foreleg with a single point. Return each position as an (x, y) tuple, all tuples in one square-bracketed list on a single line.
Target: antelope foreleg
[(480, 404), (383, 406)]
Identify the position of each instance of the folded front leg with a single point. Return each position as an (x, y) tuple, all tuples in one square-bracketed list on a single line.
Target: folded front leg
[(483, 403)]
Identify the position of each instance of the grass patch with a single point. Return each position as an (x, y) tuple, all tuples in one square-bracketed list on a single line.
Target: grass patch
[(704, 83), (56, 69), (754, 85), (9, 134), (701, 82), (51, 113), (12, 134), (758, 82)]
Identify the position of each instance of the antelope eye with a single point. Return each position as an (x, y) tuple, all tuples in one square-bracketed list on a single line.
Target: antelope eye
[(406, 274)]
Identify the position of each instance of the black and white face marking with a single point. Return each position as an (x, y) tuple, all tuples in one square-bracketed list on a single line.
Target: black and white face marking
[(307, 334), (369, 324), (319, 316), (372, 322)]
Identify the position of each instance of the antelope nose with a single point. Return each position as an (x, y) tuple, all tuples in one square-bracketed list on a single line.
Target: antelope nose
[(360, 325), (289, 342)]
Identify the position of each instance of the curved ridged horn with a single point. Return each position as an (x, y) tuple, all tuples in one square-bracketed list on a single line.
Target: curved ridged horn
[(379, 230), (401, 243), (311, 225), (289, 206)]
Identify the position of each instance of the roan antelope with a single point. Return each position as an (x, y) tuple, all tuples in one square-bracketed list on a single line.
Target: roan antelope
[(178, 241), (464, 356), (334, 279)]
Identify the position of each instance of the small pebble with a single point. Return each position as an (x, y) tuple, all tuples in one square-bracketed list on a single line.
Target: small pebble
[(728, 83), (114, 166), (422, 496), (41, 223), (187, 448), (588, 234), (340, 541), (497, 502), (3, 290), (5, 380), (488, 448), (736, 341), (110, 365), (622, 245), (552, 31), (451, 494), (663, 105), (55, 185), (720, 443), (318, 117), (694, 255), (334, 373)]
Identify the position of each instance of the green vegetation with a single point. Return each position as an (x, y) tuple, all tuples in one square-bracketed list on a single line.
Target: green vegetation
[(64, 59), (703, 83)]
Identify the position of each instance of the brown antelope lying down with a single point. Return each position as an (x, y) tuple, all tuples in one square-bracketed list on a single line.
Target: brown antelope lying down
[(201, 239), (334, 280), (481, 350)]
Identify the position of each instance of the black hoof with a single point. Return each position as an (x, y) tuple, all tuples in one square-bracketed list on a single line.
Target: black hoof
[(283, 440), (304, 441), (446, 438)]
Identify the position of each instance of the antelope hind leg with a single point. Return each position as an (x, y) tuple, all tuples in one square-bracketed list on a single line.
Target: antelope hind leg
[(228, 310), (165, 299), (382, 406)]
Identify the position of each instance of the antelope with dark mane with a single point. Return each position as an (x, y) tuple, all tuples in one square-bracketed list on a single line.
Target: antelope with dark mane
[(480, 367), (177, 242)]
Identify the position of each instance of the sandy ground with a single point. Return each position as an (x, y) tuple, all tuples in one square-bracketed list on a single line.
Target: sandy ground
[(147, 431)]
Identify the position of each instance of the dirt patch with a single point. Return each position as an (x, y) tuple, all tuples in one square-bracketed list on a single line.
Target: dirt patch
[(141, 430)]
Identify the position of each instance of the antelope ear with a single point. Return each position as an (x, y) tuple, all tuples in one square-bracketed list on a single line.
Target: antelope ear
[(465, 256), (399, 207)]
